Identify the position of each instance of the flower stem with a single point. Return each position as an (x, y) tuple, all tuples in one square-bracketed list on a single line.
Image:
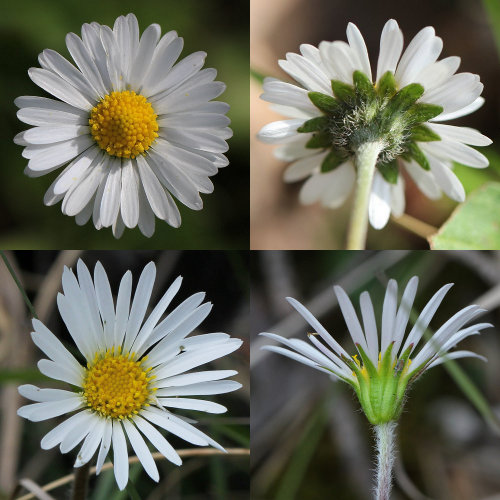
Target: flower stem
[(365, 160), (80, 482), (385, 434)]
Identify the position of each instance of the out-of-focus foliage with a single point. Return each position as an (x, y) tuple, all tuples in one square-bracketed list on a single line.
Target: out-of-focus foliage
[(224, 278), (309, 438), (473, 225), (219, 27)]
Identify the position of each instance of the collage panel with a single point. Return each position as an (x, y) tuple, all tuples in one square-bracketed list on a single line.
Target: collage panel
[(120, 114), (373, 125), (137, 364), (375, 321)]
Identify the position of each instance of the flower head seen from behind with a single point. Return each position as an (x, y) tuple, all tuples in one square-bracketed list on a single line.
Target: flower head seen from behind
[(340, 110), (384, 365), (134, 372), (132, 128)]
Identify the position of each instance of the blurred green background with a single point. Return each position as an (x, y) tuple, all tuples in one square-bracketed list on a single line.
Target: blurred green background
[(310, 440), (224, 278), (218, 27)]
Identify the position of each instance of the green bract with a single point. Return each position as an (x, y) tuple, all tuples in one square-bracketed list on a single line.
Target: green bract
[(364, 112), (381, 389)]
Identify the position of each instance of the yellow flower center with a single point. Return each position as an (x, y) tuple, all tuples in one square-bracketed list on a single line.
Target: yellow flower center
[(116, 386), (124, 124)]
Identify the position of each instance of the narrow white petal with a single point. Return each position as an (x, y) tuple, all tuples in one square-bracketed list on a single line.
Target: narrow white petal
[(358, 46), (58, 433), (120, 455), (92, 441), (199, 389), (456, 151), (460, 134), (456, 355), (105, 445), (391, 46), (403, 314), (141, 450), (389, 315), (370, 325), (158, 441), (44, 395), (281, 131), (379, 208), (193, 404), (196, 377), (466, 110), (447, 180)]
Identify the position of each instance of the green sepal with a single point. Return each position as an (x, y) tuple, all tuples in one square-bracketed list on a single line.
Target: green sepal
[(343, 92), (421, 133), (325, 103), (389, 171), (367, 362), (363, 85), (314, 124), (405, 98), (421, 112), (319, 140), (387, 85), (332, 161), (418, 155)]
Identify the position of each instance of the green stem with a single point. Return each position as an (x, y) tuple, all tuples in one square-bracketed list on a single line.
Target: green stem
[(365, 160), (18, 283)]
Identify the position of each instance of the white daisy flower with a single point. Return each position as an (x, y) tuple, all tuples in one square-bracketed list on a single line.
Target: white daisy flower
[(388, 364), (132, 128), (134, 372), (340, 110)]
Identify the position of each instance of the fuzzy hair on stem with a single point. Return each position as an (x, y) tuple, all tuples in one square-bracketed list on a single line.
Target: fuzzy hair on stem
[(385, 437)]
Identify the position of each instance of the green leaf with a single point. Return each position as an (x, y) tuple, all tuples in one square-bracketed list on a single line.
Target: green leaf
[(405, 98), (389, 171), (314, 124), (257, 75), (343, 92), (363, 85), (325, 103), (331, 162), (474, 225), (421, 133), (421, 112), (387, 84), (418, 155), (319, 140)]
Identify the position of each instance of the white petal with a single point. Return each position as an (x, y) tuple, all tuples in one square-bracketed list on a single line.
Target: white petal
[(110, 204), (141, 450), (466, 110), (199, 389), (158, 441), (456, 151), (105, 445), (43, 395), (370, 326), (389, 315), (398, 197), (304, 167), (391, 46), (58, 433), (140, 303), (120, 455), (379, 208), (129, 197), (92, 441), (460, 134), (50, 409), (59, 372), (295, 357), (306, 73), (358, 46), (193, 404), (423, 179), (403, 314), (447, 180), (276, 132), (456, 355), (105, 302), (196, 377)]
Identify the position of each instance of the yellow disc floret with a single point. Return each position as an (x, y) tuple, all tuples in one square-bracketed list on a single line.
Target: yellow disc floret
[(116, 386), (124, 124)]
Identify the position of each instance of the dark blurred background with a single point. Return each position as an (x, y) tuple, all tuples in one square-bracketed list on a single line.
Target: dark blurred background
[(224, 278), (278, 221), (310, 440), (218, 27)]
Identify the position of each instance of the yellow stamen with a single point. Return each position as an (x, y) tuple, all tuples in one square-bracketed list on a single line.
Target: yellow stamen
[(124, 124), (116, 386)]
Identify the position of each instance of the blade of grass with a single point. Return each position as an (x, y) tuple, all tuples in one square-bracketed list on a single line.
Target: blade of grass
[(18, 283), (492, 8), (304, 451)]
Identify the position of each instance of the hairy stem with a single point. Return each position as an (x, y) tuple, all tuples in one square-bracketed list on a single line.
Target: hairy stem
[(80, 482), (385, 434), (365, 160)]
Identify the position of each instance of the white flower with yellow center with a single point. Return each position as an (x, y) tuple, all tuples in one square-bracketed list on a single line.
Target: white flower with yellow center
[(134, 373), (388, 364), (348, 127), (136, 128)]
